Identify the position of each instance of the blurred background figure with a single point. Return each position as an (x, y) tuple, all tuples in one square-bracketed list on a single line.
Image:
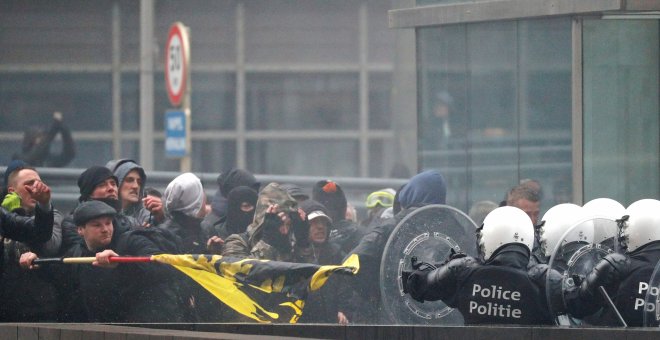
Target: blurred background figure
[(376, 203), (479, 210), (37, 143)]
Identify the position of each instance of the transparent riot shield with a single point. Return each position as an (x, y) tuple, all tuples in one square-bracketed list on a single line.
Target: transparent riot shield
[(429, 233), (580, 249), (652, 299)]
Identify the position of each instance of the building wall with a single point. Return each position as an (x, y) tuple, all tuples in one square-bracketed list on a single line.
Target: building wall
[(280, 87)]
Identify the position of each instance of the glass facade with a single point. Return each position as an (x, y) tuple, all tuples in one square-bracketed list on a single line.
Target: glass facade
[(495, 106), (310, 68), (621, 112)]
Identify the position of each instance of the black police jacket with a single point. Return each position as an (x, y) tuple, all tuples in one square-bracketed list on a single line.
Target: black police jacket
[(499, 291)]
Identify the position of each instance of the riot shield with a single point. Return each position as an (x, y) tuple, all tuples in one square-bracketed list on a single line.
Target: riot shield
[(652, 299), (580, 249), (428, 233)]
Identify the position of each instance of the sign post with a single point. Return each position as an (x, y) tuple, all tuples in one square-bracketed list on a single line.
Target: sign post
[(177, 82)]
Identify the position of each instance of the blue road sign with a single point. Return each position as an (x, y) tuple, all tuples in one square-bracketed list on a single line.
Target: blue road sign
[(175, 134)]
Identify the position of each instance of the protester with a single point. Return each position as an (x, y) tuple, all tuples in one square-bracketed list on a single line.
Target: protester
[(38, 141), (146, 209), (18, 287)]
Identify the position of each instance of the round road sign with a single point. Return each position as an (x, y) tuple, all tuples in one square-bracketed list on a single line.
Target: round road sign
[(176, 63)]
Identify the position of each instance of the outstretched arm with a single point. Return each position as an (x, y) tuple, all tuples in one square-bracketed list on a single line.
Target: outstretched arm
[(68, 146)]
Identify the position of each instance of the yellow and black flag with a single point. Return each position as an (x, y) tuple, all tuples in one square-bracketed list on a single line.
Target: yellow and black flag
[(266, 291)]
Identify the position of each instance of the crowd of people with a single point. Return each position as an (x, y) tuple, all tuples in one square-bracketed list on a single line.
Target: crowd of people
[(507, 282)]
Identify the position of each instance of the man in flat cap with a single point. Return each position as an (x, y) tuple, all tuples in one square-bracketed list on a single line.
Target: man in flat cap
[(106, 291)]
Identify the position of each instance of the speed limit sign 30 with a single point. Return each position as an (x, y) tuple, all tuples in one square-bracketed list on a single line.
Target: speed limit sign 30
[(177, 60)]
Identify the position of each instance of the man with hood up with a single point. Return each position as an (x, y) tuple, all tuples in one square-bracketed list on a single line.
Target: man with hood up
[(271, 236), (185, 207), (425, 188), (147, 210), (241, 203), (227, 181)]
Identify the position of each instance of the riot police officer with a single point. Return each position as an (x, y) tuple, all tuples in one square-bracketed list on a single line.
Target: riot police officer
[(626, 276), (496, 289)]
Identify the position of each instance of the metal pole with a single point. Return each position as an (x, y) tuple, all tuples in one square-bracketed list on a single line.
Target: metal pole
[(364, 93), (116, 82), (147, 84), (241, 143), (185, 164)]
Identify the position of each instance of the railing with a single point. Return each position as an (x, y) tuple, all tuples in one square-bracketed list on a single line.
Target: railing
[(65, 191)]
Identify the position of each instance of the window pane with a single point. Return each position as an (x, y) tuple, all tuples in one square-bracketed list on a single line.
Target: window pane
[(212, 28), (68, 32), (380, 86), (295, 101), (213, 101), (207, 156), (30, 100), (312, 31), (494, 108), (330, 158), (621, 112)]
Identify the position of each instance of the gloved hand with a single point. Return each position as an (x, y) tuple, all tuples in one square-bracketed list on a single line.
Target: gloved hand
[(453, 255), (300, 229), (411, 279), (271, 232), (12, 202)]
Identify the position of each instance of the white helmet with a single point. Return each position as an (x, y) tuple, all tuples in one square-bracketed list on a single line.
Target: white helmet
[(605, 208), (642, 225), (557, 221), (505, 225)]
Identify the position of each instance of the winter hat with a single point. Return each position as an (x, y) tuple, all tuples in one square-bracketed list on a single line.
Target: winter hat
[(14, 165), (236, 177), (184, 194), (314, 209), (428, 187), (92, 177), (90, 210), (332, 197)]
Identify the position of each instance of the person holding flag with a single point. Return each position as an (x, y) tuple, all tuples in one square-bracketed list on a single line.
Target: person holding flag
[(106, 292)]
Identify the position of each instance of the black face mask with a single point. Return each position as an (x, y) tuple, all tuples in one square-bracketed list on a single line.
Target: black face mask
[(237, 219)]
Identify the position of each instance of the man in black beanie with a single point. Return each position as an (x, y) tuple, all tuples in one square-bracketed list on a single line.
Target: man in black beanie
[(100, 184), (345, 232)]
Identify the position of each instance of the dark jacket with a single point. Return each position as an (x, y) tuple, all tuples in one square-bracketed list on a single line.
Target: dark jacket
[(626, 279), (322, 306), (26, 295), (70, 237), (137, 292), (500, 291), (189, 230)]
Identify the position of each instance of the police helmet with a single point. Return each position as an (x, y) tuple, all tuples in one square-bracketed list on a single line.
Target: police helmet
[(604, 207), (502, 226), (642, 225), (557, 221)]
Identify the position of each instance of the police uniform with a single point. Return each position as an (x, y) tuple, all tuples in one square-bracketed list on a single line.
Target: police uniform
[(500, 291), (626, 279)]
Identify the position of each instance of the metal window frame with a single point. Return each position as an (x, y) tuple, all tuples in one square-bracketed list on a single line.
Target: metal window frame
[(477, 11)]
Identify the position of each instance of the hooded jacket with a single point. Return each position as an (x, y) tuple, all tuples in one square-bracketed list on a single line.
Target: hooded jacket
[(137, 209), (250, 243), (423, 189)]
